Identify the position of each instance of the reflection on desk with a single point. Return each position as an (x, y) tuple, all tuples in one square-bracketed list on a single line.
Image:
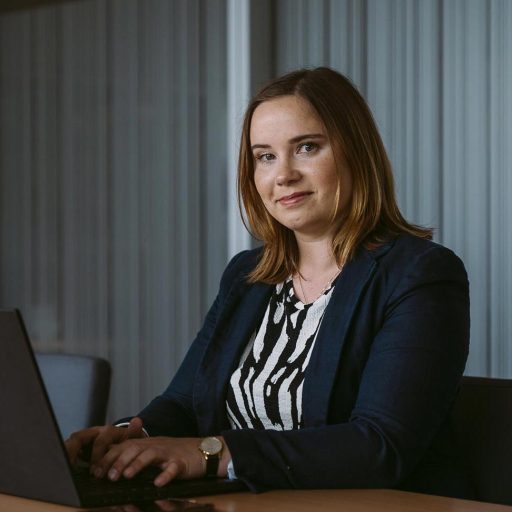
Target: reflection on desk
[(350, 500)]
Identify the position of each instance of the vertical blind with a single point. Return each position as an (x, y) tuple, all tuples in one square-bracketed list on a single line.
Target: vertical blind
[(112, 192)]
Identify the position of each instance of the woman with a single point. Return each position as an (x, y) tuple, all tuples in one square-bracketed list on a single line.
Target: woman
[(332, 355)]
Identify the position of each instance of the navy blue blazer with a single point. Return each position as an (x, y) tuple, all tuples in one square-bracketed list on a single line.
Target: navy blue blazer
[(379, 387)]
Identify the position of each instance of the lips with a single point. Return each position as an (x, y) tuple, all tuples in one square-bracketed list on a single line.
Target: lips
[(294, 198)]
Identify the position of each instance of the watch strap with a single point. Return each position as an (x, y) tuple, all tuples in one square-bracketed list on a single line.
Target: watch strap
[(212, 465)]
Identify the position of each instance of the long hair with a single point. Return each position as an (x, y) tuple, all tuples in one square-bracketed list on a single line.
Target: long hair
[(371, 216)]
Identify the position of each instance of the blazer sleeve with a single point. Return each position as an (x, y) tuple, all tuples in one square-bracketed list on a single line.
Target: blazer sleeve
[(171, 413), (406, 391)]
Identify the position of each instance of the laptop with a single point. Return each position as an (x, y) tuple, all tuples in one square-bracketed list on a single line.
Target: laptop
[(33, 460)]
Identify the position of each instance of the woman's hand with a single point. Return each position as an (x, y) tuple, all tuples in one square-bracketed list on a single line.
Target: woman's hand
[(98, 440), (177, 457)]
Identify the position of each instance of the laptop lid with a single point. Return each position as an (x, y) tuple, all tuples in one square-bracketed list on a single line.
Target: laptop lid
[(33, 461)]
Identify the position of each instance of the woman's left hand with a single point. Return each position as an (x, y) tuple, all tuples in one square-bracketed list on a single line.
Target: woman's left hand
[(177, 457)]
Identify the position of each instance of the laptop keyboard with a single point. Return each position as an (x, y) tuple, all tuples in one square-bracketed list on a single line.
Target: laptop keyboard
[(102, 492)]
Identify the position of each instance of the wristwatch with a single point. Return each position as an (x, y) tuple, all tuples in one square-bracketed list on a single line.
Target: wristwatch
[(211, 448)]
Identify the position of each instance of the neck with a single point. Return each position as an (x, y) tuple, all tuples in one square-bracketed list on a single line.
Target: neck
[(316, 257), (317, 268)]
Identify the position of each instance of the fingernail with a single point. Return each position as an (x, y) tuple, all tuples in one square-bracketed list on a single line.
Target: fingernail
[(159, 481), (113, 474), (98, 473), (128, 472)]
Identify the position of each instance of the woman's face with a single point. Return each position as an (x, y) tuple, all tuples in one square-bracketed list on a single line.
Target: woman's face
[(294, 168)]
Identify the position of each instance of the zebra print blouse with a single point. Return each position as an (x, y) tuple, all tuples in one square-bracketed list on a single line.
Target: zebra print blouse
[(265, 391)]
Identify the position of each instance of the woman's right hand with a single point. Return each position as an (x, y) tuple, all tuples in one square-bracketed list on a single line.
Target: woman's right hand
[(98, 440)]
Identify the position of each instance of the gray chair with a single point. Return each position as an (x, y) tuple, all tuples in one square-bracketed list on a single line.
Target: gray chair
[(78, 388), (482, 423)]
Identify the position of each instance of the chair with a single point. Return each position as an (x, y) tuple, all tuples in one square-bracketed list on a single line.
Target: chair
[(482, 423), (78, 388)]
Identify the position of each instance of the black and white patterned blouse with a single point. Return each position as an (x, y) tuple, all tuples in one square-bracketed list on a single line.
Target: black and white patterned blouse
[(265, 391)]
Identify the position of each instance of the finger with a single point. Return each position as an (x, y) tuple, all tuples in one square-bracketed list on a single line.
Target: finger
[(130, 508), (116, 459), (131, 459), (147, 457), (113, 435), (77, 440), (171, 471), (108, 436), (134, 428), (73, 449), (165, 505)]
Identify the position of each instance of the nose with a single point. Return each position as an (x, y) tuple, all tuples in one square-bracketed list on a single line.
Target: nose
[(287, 174)]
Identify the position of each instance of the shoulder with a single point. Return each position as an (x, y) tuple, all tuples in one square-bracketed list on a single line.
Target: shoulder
[(409, 261), (407, 252), (239, 267), (412, 251)]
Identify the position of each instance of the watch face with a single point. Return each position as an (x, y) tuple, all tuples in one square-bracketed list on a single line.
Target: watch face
[(211, 445)]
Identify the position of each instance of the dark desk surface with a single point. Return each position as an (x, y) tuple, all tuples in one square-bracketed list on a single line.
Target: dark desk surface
[(373, 500)]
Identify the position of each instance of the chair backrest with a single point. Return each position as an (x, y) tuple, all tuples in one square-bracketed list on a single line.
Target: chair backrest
[(78, 388), (482, 423)]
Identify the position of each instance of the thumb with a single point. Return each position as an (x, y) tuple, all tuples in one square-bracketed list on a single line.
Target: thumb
[(134, 428)]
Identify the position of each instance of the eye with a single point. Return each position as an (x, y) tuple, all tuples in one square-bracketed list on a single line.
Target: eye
[(307, 147), (265, 157)]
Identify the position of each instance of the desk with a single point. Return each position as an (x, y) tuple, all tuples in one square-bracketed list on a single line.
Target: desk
[(345, 500)]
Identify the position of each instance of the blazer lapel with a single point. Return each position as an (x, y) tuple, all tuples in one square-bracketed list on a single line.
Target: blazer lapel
[(237, 321), (322, 368)]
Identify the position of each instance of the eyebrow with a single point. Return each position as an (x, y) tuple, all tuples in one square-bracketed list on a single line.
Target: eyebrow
[(293, 140)]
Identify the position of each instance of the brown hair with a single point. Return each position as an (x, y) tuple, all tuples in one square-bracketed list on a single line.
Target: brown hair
[(371, 216)]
